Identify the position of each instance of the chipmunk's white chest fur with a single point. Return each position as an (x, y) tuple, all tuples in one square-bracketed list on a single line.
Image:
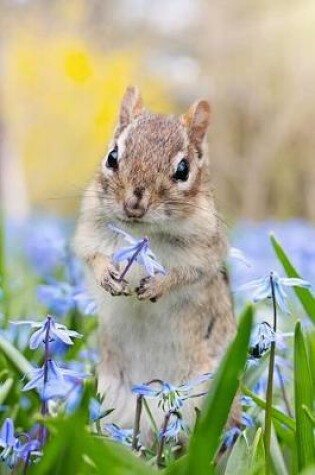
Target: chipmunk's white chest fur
[(141, 340), (144, 333)]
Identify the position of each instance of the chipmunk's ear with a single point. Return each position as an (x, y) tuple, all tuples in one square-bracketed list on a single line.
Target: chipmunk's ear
[(196, 120), (130, 107)]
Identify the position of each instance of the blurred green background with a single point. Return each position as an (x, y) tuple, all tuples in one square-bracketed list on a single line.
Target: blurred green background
[(64, 65)]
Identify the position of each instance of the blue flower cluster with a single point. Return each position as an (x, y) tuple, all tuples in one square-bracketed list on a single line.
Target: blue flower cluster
[(171, 398), (13, 450), (61, 290), (51, 381)]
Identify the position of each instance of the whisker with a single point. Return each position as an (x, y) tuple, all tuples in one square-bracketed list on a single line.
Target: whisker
[(216, 214)]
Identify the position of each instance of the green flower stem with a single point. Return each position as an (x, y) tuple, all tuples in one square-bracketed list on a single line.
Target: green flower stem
[(150, 415), (159, 456), (136, 426), (268, 412), (27, 462), (44, 409)]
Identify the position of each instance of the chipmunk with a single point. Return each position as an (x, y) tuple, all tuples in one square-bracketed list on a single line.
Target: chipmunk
[(154, 181)]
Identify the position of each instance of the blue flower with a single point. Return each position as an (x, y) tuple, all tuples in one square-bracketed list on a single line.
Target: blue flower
[(170, 397), (74, 397), (91, 355), (13, 449), (247, 420), (175, 428), (139, 251), (45, 246), (57, 332), (61, 297), (233, 433), (246, 401), (124, 436), (7, 440), (262, 288), (60, 381), (95, 410), (262, 337), (230, 436), (22, 451)]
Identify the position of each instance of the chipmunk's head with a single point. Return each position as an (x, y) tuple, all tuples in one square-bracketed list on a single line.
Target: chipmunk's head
[(154, 171)]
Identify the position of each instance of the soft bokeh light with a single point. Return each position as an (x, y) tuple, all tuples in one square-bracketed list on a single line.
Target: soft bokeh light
[(65, 65)]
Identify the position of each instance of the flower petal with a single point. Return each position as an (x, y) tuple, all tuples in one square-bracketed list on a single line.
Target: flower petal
[(37, 338), (145, 390), (294, 282), (281, 296), (124, 253), (127, 236)]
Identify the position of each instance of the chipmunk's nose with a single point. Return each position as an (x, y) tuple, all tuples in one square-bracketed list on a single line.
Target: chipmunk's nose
[(133, 205)]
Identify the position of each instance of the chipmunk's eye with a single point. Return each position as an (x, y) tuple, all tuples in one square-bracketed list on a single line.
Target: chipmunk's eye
[(182, 170), (112, 159)]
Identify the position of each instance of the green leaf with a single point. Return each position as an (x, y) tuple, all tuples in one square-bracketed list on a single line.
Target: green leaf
[(177, 468), (5, 389), (15, 357), (239, 459), (73, 451), (277, 455), (275, 413), (309, 414), (309, 471), (257, 460), (114, 459), (304, 295), (206, 440), (310, 340), (304, 396), (63, 453)]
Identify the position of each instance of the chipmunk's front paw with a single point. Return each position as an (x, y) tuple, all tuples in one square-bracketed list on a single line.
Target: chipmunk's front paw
[(111, 282), (150, 288)]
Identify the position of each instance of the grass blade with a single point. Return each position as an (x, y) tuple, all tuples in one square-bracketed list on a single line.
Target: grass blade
[(304, 396), (304, 295), (5, 388), (239, 459), (257, 460), (277, 455), (15, 357), (206, 439), (275, 413), (71, 450)]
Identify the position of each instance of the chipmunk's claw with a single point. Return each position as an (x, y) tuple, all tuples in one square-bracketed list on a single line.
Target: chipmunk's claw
[(149, 289), (112, 283)]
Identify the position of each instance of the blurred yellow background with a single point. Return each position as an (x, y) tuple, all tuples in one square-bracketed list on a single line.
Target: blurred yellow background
[(65, 64)]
